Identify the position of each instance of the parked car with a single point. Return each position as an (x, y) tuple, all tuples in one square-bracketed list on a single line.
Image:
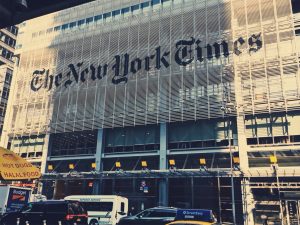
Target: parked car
[(152, 216), (190, 222), (68, 212), (194, 217)]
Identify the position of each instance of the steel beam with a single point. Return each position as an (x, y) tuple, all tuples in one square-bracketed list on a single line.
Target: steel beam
[(163, 183), (98, 160)]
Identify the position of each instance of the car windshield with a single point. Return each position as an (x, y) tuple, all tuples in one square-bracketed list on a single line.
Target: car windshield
[(143, 214)]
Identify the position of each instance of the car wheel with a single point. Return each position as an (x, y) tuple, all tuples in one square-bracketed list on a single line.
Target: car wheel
[(94, 222)]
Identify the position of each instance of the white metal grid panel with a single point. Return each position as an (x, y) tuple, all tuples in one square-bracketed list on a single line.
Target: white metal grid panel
[(266, 81)]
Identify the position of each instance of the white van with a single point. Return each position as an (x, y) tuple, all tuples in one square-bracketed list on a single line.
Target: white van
[(102, 209)]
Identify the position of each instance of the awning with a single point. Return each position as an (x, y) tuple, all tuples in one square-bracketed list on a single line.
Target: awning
[(14, 167)]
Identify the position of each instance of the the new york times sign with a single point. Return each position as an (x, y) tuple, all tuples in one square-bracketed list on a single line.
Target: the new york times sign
[(187, 51)]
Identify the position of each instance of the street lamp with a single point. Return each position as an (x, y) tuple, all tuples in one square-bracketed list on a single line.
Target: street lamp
[(144, 165), (172, 165), (118, 166), (71, 166), (236, 163), (50, 168), (227, 108), (93, 166), (274, 166), (202, 162)]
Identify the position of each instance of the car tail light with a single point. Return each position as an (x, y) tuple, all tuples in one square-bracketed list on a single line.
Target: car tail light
[(69, 217)]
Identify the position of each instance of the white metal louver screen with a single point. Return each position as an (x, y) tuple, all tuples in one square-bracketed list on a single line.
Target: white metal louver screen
[(267, 80)]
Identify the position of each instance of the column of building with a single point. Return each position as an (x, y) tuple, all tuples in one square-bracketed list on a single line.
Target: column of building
[(98, 160)]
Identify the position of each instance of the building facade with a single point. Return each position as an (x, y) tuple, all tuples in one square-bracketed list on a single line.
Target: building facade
[(168, 102), (8, 38)]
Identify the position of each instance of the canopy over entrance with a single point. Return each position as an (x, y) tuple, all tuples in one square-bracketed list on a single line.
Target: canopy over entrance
[(14, 167)]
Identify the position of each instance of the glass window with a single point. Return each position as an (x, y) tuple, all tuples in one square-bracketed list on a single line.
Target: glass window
[(4, 51), (31, 155), (97, 206), (116, 12), (135, 7), (65, 26), (57, 28), (98, 17), (67, 141), (12, 42), (125, 10), (7, 40), (2, 36), (7, 54), (162, 1), (145, 4), (106, 15), (5, 93), (91, 141), (15, 30), (81, 143), (80, 22), (155, 2), (89, 20), (122, 207), (73, 24), (162, 214)]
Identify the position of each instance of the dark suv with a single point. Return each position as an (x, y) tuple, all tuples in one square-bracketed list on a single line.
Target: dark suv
[(68, 212), (152, 216)]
